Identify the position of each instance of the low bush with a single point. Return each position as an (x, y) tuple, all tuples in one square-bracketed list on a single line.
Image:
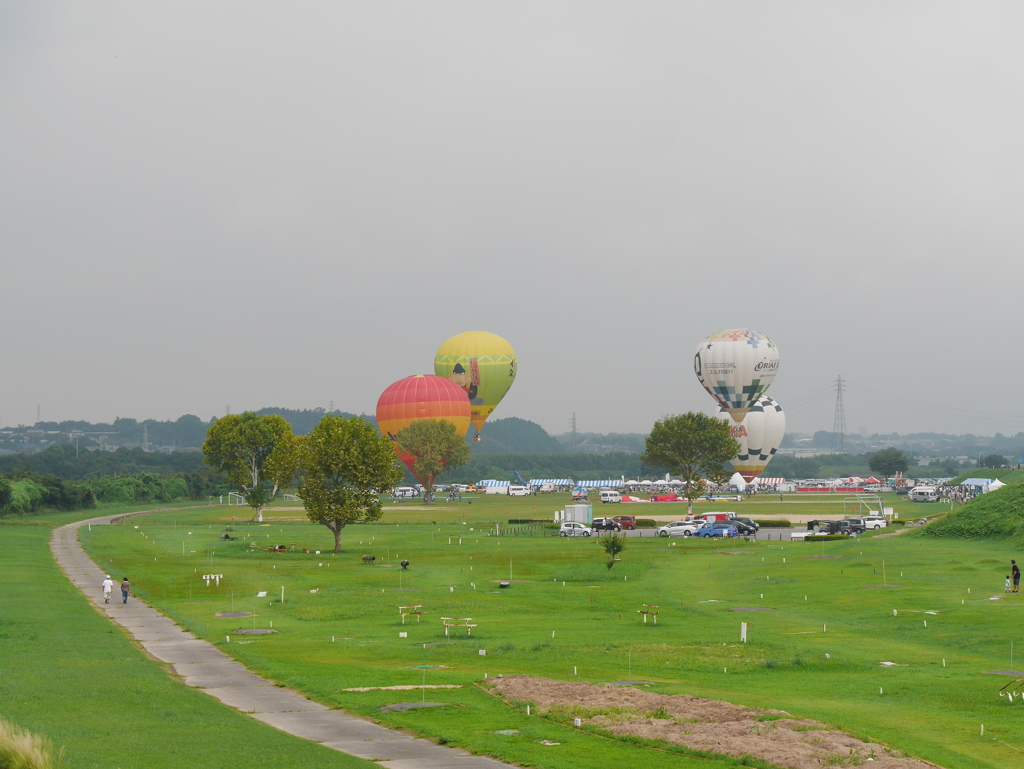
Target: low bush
[(646, 523), (20, 749), (773, 524), (824, 537)]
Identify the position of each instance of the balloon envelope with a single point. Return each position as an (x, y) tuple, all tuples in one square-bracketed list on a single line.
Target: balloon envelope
[(483, 365), (736, 367), (759, 435), (423, 396)]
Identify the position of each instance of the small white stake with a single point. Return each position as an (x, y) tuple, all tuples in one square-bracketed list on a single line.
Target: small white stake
[(725, 670), (894, 612), (943, 662), (574, 670), (227, 639), (879, 689), (824, 628), (983, 729), (552, 633), (828, 656), (527, 710), (926, 623), (332, 639)]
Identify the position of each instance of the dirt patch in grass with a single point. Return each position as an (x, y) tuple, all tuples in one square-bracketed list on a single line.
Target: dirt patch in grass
[(701, 724)]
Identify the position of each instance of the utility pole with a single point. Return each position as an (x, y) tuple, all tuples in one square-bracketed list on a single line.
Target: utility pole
[(839, 421)]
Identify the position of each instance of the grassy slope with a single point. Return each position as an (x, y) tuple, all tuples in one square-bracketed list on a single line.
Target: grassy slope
[(927, 709), (998, 514), (68, 673)]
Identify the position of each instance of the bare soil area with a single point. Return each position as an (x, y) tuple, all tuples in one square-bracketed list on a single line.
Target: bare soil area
[(701, 724)]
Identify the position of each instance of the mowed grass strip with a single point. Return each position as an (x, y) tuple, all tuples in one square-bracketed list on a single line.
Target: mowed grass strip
[(346, 634), (71, 675)]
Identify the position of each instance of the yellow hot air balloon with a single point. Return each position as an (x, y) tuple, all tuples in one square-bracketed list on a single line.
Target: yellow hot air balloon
[(482, 364)]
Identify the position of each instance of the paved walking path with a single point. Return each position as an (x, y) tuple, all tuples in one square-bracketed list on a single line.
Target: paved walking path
[(205, 667)]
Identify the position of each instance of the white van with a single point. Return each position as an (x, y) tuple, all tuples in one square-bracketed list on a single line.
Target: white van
[(610, 496), (404, 492), (518, 491), (924, 494)]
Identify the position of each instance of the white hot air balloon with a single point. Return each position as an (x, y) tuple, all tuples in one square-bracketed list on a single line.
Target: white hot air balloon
[(736, 367), (759, 435)]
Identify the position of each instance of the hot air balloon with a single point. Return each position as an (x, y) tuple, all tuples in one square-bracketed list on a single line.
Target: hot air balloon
[(759, 435), (483, 365), (736, 367), (423, 396)]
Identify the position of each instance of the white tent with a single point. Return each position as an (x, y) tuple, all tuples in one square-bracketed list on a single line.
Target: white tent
[(737, 481), (996, 484)]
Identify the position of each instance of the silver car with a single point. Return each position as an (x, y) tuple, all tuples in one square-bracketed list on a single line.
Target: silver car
[(678, 529), (574, 529)]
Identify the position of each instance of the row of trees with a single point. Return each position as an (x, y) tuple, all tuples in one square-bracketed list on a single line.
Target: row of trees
[(26, 493), (342, 465)]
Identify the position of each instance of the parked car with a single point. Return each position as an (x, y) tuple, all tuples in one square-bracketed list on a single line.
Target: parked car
[(627, 522), (748, 521), (717, 530), (875, 522), (605, 524), (846, 526), (574, 529), (518, 491), (678, 529), (745, 527)]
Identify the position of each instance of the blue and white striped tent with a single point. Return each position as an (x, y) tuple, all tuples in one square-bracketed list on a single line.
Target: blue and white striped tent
[(552, 481), (493, 483), (598, 484)]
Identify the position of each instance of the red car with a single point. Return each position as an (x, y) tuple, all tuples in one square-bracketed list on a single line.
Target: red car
[(626, 521)]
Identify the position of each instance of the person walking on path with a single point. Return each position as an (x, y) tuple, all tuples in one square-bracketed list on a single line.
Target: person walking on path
[(125, 589), (108, 585), (1015, 574)]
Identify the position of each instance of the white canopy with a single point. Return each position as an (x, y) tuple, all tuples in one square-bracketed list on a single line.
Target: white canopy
[(996, 484), (737, 481)]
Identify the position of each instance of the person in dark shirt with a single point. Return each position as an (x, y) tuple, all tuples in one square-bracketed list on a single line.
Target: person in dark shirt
[(1015, 574)]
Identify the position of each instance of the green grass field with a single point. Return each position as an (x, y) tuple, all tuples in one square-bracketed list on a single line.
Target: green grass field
[(69, 674), (573, 617)]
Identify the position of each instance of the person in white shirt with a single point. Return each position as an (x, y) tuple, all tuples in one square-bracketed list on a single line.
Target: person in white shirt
[(108, 585)]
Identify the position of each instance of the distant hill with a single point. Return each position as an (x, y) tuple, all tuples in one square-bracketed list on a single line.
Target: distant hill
[(304, 420), (997, 515), (513, 435)]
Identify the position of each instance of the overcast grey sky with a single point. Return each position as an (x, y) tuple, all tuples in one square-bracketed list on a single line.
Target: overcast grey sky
[(284, 204)]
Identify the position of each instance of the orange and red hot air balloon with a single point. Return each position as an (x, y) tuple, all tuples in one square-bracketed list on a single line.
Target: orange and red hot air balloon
[(423, 396)]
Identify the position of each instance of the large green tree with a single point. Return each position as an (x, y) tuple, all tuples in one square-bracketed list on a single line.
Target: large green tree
[(256, 453), (344, 465), (693, 446), (888, 462), (435, 446)]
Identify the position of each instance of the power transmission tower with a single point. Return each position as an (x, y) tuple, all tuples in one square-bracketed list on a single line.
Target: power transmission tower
[(575, 437), (839, 422)]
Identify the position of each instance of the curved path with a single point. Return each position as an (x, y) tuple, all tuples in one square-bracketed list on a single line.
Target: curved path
[(205, 667)]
